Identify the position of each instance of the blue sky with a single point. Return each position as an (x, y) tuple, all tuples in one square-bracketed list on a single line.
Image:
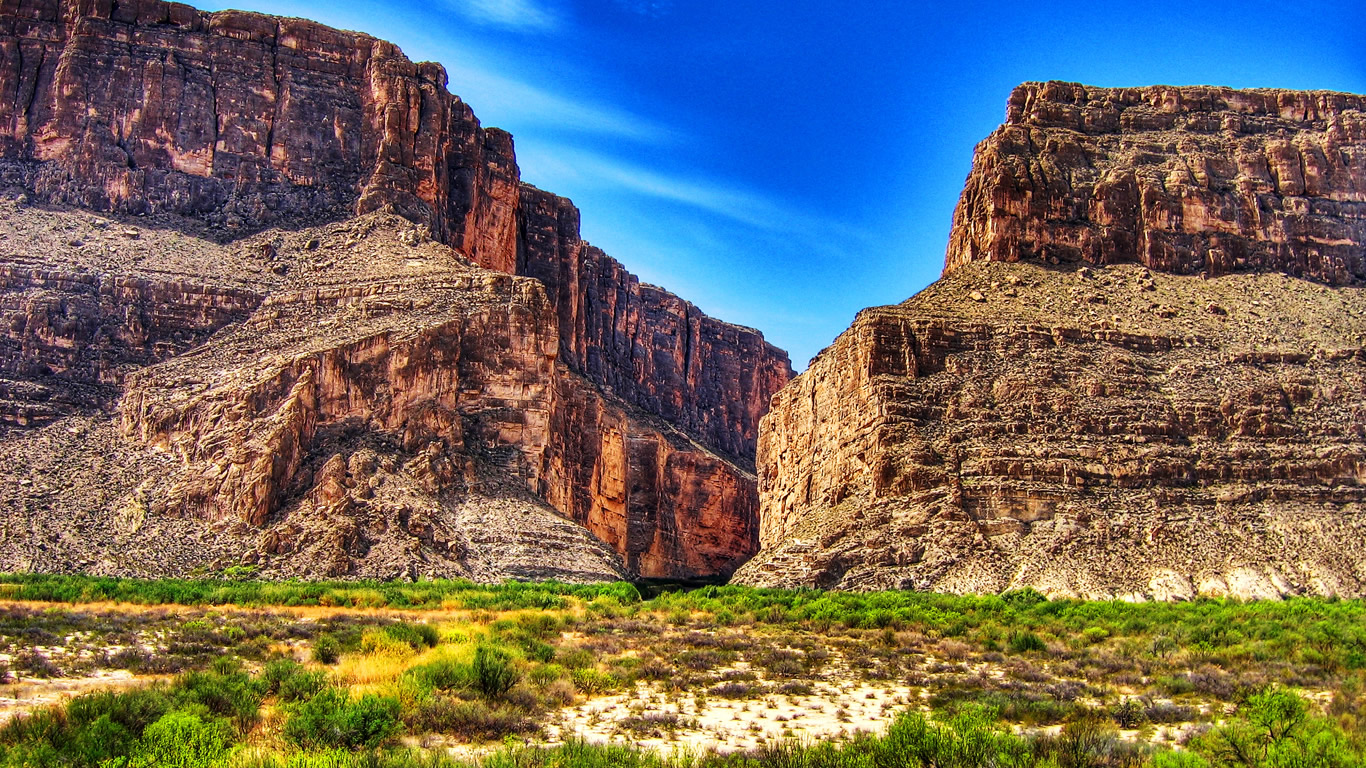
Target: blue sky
[(785, 164)]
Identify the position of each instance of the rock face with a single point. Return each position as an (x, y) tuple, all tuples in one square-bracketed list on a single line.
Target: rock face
[(644, 344), (1182, 180), (346, 399), (1127, 431), (148, 106)]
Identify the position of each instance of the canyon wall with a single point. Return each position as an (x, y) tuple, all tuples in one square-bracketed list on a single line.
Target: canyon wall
[(1141, 375), (219, 126), (245, 119), (1193, 180)]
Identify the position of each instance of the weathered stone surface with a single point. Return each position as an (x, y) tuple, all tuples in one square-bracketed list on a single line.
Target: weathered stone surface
[(245, 119), (1186, 180), (388, 409), (1103, 432), (643, 344), (643, 487), (433, 374)]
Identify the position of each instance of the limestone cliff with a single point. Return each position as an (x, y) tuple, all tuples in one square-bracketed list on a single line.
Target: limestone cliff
[(1187, 420), (1183, 180), (296, 373)]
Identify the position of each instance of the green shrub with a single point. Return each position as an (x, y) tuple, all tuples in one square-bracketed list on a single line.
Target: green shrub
[(443, 674), (332, 720), (133, 709), (493, 671), (1026, 641), (475, 720), (275, 673), (181, 740), (225, 691), (303, 686), (1275, 729), (544, 674), (591, 682), (326, 649), (418, 636)]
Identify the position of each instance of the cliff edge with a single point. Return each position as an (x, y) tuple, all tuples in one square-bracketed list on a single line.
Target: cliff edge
[(291, 259), (1140, 376)]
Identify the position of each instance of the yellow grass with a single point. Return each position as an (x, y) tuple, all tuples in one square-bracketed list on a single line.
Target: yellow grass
[(359, 670)]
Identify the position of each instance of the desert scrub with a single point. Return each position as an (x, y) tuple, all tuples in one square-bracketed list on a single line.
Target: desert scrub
[(332, 719), (493, 671)]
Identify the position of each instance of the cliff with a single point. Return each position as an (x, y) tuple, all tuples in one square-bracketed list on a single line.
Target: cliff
[(223, 320), (1186, 419), (1190, 181)]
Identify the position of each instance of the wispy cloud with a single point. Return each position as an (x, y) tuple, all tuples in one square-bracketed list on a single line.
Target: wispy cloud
[(747, 207), (508, 102), (523, 15)]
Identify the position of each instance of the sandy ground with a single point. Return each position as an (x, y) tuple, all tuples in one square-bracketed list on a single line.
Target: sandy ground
[(27, 694)]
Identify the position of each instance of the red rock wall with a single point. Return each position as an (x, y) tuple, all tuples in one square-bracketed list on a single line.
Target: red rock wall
[(646, 345), (1186, 180), (70, 336), (477, 379), (670, 509), (244, 119), (248, 120)]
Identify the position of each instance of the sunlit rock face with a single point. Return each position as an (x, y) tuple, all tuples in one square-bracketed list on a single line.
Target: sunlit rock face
[(1141, 375), (1183, 180), (323, 387)]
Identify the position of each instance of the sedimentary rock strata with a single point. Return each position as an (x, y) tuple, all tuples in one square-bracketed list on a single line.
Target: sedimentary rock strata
[(1133, 430), (1183, 180), (366, 397)]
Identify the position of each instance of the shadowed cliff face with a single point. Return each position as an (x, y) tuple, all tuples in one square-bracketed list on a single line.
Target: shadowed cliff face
[(1125, 431), (217, 126)]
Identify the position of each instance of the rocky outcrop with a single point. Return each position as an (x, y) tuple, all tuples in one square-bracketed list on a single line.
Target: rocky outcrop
[(646, 489), (1101, 432), (644, 344), (292, 369), (1186, 180), (244, 119), (387, 410), (247, 120)]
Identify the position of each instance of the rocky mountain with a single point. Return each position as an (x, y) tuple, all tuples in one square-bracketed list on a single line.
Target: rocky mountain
[(1142, 374), (274, 296)]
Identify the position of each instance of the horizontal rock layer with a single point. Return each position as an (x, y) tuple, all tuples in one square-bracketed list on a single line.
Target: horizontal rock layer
[(380, 408), (1186, 180), (1106, 433), (244, 121), (644, 344), (247, 120), (148, 106), (1130, 431)]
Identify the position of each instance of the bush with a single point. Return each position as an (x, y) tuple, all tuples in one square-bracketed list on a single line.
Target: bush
[(1276, 729), (326, 649), (418, 636), (470, 720), (331, 720), (443, 674), (591, 682), (1129, 714), (277, 672), (1024, 642), (133, 709), (303, 686), (225, 692), (494, 673), (181, 740)]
